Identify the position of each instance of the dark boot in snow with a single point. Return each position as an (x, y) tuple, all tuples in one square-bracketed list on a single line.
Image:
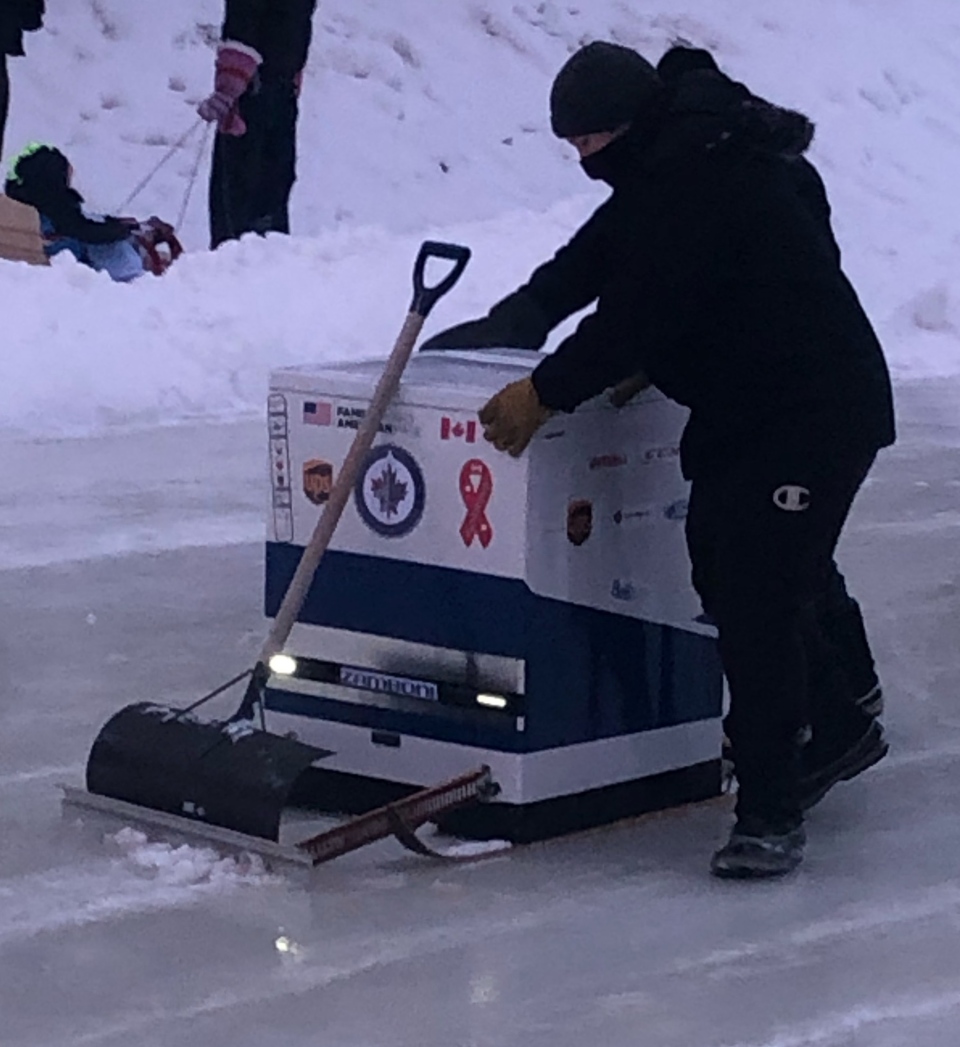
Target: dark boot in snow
[(827, 761), (759, 849)]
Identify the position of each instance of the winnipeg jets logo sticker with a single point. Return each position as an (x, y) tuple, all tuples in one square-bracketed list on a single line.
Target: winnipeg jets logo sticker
[(390, 492), (792, 498)]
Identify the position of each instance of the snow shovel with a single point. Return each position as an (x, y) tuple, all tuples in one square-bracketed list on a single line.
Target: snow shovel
[(230, 780)]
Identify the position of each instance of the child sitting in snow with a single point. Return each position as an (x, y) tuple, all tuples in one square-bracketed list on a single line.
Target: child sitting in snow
[(123, 247)]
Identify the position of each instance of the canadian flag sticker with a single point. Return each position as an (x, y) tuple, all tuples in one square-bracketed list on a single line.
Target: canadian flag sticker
[(450, 429)]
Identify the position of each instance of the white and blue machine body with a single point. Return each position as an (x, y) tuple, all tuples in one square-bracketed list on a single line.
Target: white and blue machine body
[(534, 614)]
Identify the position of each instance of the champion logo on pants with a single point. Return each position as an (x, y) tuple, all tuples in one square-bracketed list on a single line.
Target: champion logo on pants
[(792, 498)]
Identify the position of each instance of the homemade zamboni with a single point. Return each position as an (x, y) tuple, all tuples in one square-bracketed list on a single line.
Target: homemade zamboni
[(534, 615)]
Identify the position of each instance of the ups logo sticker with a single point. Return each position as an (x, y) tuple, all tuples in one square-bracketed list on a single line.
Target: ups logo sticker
[(317, 480)]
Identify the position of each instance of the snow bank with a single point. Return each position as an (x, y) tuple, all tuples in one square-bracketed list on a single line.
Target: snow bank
[(84, 353), (430, 119)]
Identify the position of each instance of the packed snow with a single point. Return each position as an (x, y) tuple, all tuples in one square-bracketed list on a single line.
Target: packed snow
[(430, 120)]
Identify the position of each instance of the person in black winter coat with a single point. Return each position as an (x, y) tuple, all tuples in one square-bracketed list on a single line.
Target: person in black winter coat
[(260, 61), (790, 134), (715, 272), (16, 18)]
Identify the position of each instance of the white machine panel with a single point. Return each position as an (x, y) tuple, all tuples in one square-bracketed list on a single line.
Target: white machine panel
[(607, 505), (591, 515)]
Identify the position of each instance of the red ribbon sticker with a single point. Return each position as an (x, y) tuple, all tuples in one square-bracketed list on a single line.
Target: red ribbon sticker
[(476, 487)]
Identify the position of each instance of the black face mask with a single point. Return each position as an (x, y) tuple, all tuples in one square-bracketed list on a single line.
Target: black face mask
[(613, 162)]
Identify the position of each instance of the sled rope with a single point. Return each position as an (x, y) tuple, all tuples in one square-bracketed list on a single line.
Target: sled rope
[(148, 178), (193, 176)]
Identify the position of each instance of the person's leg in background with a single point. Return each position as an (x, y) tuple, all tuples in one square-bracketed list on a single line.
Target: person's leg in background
[(276, 174), (226, 190), (235, 174)]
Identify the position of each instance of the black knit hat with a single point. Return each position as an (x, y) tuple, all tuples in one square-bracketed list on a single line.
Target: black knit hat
[(600, 88)]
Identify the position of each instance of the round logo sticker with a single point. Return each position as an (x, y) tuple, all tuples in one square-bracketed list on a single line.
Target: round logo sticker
[(390, 492)]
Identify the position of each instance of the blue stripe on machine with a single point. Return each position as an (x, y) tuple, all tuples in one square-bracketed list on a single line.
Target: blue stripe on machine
[(446, 725), (589, 674)]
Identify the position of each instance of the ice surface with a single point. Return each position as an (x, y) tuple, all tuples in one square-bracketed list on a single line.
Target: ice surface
[(616, 937), (430, 119)]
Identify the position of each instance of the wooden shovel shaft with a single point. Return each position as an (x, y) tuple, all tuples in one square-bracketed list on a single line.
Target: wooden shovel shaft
[(342, 487)]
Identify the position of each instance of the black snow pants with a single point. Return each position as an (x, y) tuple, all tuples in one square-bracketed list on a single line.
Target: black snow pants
[(761, 535), (252, 175)]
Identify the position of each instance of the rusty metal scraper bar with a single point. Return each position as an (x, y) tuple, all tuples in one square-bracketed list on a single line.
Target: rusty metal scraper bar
[(401, 819)]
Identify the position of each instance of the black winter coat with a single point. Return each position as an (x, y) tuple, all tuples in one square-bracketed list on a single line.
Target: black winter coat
[(279, 30), (16, 18), (715, 271)]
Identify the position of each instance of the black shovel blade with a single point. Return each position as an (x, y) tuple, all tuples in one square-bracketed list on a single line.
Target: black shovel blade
[(227, 774)]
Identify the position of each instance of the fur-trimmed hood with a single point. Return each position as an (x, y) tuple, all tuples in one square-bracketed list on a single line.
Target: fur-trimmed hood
[(697, 88)]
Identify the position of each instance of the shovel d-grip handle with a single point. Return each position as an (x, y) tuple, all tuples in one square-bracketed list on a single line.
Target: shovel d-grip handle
[(425, 298)]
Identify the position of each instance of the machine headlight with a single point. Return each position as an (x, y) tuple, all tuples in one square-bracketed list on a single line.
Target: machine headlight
[(283, 665), (492, 701)]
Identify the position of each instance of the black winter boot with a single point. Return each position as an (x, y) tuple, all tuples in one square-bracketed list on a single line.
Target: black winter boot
[(768, 837), (759, 849), (827, 761)]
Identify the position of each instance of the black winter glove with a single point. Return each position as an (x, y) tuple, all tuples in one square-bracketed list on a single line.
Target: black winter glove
[(517, 322)]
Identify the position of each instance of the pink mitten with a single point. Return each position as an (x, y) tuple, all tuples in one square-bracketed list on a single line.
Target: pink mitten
[(236, 66)]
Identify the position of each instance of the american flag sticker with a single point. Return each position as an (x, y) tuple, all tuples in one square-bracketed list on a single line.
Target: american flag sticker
[(455, 430), (317, 413)]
